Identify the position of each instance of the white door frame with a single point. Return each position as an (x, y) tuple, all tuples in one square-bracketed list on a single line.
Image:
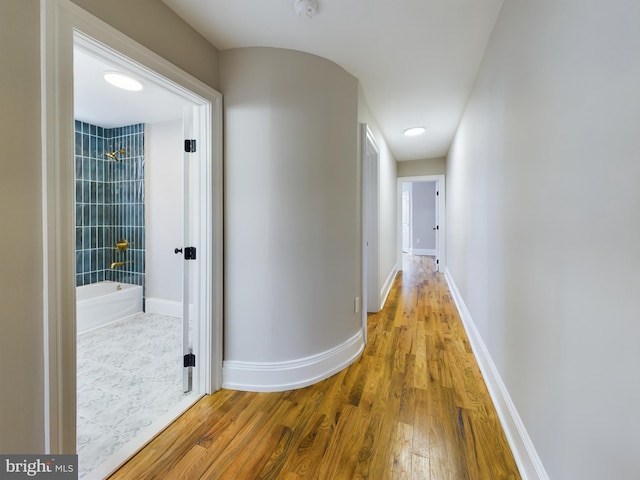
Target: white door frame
[(370, 207), (61, 21), (440, 216), (406, 212)]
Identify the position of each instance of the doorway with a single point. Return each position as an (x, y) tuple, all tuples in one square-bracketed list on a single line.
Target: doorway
[(136, 220), (421, 217), (370, 209), (64, 26)]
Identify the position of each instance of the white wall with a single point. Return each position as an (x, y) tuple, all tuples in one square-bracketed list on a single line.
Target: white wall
[(424, 217), (162, 31), (164, 203), (543, 226), (427, 166), (21, 284), (291, 209)]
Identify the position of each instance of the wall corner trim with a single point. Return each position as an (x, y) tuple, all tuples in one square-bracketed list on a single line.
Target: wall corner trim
[(291, 374), (526, 456)]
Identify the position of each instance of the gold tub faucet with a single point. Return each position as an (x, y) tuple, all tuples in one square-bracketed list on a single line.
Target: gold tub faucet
[(119, 264)]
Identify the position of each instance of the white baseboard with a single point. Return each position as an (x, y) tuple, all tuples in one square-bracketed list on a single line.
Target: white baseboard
[(524, 452), (163, 307), (422, 251), (167, 307), (292, 374), (386, 288)]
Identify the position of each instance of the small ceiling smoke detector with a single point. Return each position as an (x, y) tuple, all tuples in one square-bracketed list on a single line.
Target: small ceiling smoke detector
[(307, 8)]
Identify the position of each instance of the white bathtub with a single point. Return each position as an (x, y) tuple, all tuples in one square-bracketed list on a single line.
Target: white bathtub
[(104, 302)]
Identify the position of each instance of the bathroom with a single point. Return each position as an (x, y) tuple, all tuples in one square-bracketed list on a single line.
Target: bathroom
[(109, 213), (128, 223)]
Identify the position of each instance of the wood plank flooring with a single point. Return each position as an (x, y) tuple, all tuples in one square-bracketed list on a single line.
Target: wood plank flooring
[(414, 406)]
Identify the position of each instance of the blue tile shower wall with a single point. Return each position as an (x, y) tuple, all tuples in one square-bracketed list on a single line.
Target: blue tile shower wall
[(109, 203)]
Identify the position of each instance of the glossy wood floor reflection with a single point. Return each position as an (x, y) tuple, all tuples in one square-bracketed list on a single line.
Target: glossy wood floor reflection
[(414, 406)]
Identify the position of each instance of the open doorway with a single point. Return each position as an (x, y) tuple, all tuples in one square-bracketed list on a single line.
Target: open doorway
[(114, 254), (370, 207), (136, 201), (419, 218), (421, 214)]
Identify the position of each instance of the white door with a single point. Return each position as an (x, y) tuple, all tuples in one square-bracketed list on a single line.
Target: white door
[(370, 217), (437, 225), (406, 223)]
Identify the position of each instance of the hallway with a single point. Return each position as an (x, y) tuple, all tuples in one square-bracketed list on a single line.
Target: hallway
[(414, 406)]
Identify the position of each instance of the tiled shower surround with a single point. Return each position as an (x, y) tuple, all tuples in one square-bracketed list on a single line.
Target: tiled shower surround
[(109, 203)]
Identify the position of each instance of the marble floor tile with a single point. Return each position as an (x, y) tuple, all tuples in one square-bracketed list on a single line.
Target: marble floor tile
[(129, 374)]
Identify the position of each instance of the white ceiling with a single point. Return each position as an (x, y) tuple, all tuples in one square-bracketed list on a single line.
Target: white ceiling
[(415, 59), (99, 103)]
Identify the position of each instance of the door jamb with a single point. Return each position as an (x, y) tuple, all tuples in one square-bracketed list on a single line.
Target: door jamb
[(370, 191), (59, 20)]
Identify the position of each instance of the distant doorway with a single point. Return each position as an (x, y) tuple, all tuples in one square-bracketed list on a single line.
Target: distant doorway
[(421, 217)]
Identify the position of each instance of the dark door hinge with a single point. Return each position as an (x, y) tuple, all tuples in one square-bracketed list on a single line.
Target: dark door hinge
[(190, 253), (190, 360), (190, 145)]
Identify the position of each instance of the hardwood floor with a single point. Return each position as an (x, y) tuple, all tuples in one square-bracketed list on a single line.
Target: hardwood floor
[(414, 406)]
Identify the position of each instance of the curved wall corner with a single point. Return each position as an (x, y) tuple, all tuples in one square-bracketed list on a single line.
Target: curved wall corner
[(291, 219), (288, 375)]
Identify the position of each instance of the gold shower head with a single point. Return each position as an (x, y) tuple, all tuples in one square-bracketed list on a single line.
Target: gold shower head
[(114, 155)]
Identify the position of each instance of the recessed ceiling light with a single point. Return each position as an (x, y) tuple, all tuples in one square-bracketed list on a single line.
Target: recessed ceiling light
[(413, 131), (123, 81)]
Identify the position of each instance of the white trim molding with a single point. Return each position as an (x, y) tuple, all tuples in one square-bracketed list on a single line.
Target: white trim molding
[(291, 374), (163, 307), (524, 452), (386, 288), (168, 308), (423, 251)]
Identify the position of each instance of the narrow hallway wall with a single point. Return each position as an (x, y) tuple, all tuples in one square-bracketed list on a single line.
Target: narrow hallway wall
[(543, 227)]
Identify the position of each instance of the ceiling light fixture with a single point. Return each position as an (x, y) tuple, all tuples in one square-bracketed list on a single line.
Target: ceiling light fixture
[(413, 131), (123, 81), (308, 8)]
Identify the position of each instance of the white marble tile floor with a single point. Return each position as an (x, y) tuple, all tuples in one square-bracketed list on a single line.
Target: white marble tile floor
[(129, 375)]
